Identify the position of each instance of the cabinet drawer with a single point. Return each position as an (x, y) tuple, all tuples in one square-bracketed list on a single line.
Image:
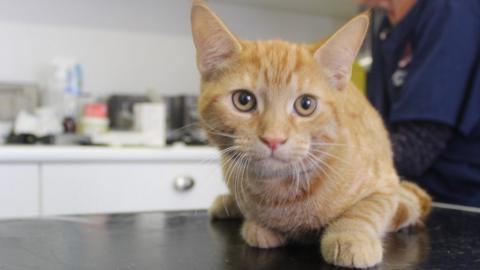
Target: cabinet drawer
[(126, 187), (19, 190)]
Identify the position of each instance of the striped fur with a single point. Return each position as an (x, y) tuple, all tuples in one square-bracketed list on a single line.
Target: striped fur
[(335, 172)]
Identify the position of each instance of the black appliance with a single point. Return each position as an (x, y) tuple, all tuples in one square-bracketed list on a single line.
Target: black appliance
[(120, 110), (183, 121)]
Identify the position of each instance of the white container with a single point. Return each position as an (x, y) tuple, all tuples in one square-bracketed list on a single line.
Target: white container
[(93, 126), (150, 119), (63, 86)]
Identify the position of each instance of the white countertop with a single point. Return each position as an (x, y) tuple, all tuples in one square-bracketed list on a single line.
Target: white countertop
[(9, 154)]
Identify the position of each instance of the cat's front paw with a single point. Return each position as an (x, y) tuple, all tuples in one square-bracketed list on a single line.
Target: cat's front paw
[(257, 236), (352, 249), (223, 207)]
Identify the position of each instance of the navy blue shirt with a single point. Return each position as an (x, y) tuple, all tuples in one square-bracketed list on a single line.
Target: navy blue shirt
[(427, 68)]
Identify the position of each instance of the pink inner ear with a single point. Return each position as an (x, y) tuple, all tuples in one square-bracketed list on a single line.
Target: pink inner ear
[(214, 51), (336, 62), (337, 71), (340, 81), (338, 76)]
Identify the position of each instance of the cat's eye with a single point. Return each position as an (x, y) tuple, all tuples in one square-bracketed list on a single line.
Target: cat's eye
[(305, 105), (244, 100)]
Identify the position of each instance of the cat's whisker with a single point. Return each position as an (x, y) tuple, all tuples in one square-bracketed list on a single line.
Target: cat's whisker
[(322, 144), (315, 151), (212, 130), (226, 178), (186, 126), (334, 170), (243, 172), (315, 165), (218, 133), (236, 175), (231, 175), (230, 161), (223, 153), (229, 150), (234, 166), (331, 144), (208, 161), (227, 172), (322, 162), (324, 170), (304, 172), (244, 162), (227, 160), (297, 178)]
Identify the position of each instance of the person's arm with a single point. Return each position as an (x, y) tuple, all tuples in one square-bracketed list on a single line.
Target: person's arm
[(417, 144)]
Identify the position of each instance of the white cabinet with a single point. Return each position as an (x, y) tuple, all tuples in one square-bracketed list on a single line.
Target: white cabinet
[(19, 192), (105, 187), (45, 181)]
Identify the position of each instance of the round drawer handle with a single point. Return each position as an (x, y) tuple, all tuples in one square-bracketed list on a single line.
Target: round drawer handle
[(183, 183)]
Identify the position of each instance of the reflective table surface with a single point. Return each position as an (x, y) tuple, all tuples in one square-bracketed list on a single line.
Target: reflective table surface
[(188, 240)]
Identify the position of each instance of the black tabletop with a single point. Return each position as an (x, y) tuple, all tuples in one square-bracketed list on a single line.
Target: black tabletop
[(188, 240)]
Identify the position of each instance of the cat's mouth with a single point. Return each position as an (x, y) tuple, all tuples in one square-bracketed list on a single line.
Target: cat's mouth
[(274, 161), (272, 164), (275, 166), (277, 159)]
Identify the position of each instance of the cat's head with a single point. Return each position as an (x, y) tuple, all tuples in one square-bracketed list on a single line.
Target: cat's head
[(272, 102)]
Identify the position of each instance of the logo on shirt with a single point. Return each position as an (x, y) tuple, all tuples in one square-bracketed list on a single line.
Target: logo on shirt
[(400, 75)]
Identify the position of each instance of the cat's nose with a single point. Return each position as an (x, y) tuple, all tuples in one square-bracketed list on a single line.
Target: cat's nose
[(273, 143)]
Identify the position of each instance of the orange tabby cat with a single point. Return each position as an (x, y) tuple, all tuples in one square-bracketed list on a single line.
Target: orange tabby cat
[(302, 149)]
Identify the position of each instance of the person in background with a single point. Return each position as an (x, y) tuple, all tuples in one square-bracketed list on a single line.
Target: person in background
[(425, 82)]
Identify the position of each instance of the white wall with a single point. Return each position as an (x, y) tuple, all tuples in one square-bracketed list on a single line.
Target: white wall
[(126, 45)]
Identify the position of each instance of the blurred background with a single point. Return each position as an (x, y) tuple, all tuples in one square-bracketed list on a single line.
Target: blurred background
[(98, 100)]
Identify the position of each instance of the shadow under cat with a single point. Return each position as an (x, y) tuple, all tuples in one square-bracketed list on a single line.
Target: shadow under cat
[(404, 250)]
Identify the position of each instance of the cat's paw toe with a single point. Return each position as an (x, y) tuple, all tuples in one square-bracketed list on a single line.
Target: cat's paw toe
[(352, 249), (218, 210), (224, 207), (260, 237)]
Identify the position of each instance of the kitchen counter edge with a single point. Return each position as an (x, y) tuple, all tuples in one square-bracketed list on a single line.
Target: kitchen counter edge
[(43, 154)]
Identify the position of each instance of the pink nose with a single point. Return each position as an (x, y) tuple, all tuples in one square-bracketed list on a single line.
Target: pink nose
[(273, 143)]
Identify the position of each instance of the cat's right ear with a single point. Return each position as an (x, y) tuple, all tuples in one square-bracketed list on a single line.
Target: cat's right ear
[(337, 54), (215, 44)]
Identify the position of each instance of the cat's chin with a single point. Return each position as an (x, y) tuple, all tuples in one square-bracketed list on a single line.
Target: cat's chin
[(275, 167), (272, 162)]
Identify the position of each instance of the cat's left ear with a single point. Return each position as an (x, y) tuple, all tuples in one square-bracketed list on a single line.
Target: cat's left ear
[(337, 54), (215, 44)]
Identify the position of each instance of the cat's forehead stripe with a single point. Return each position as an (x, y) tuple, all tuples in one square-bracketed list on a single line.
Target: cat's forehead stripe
[(277, 63)]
